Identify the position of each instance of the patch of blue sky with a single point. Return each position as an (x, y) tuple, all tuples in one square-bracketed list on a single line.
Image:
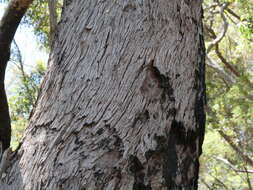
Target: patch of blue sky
[(29, 47)]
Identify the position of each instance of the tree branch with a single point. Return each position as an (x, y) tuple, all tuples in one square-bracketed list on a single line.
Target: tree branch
[(205, 183), (248, 178), (233, 13), (20, 60), (247, 159), (237, 171), (223, 33), (10, 21), (226, 63), (225, 76), (216, 41), (219, 182), (24, 76)]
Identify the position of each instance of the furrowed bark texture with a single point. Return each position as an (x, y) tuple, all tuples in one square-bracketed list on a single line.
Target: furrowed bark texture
[(121, 106)]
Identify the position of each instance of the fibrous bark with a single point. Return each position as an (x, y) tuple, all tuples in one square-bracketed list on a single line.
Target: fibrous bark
[(122, 104), (52, 18)]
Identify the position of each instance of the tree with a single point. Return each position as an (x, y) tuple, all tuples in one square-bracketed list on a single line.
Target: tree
[(43, 16), (122, 104), (8, 26), (228, 36), (23, 93)]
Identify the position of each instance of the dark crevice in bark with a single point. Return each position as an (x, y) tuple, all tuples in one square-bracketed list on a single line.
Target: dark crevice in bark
[(136, 169), (176, 170), (67, 3), (142, 117), (182, 136), (200, 101), (134, 164), (139, 185), (170, 162), (157, 86), (164, 81)]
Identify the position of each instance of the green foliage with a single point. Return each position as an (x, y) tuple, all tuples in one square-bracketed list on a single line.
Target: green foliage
[(38, 17), (23, 98), (230, 102), (220, 164), (25, 92)]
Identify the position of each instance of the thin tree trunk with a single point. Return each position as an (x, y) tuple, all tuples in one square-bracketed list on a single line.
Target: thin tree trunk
[(122, 105), (52, 19), (8, 26)]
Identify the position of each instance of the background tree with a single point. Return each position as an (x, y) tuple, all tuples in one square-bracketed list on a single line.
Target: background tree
[(122, 102), (229, 36), (23, 92), (43, 16), (8, 26)]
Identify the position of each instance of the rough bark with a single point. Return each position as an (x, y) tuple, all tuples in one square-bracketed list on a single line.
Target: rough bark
[(122, 104), (52, 19), (8, 26)]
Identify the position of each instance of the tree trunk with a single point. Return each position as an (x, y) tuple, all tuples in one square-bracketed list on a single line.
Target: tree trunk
[(8, 26), (122, 104)]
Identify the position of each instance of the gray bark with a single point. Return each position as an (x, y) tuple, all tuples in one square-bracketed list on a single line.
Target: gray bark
[(122, 104)]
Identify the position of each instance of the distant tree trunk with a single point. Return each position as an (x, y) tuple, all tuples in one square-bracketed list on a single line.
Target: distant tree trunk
[(122, 104), (8, 26)]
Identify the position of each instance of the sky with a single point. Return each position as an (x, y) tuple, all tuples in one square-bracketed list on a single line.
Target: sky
[(29, 47)]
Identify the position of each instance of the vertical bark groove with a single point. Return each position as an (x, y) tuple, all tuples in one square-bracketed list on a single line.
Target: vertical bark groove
[(122, 102)]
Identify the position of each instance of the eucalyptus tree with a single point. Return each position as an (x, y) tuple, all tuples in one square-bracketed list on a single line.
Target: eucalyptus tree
[(122, 103)]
